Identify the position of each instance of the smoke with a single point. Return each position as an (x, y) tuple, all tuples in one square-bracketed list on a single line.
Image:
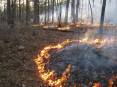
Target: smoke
[(85, 14), (109, 48), (89, 61)]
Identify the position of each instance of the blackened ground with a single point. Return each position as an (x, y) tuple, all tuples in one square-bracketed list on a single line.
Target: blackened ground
[(19, 46), (88, 63)]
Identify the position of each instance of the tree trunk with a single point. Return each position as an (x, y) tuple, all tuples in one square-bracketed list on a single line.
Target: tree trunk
[(45, 5), (77, 8), (73, 10), (13, 12), (27, 12), (48, 10), (36, 11), (91, 12), (66, 14), (102, 16), (60, 13), (53, 2), (8, 12), (20, 11)]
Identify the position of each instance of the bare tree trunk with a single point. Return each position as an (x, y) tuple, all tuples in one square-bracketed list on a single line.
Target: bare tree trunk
[(73, 10), (60, 13), (102, 16), (66, 14), (48, 10), (13, 11), (27, 11), (91, 12), (8, 12), (23, 10), (45, 3), (77, 8), (53, 2), (57, 10), (82, 10), (36, 11), (20, 11)]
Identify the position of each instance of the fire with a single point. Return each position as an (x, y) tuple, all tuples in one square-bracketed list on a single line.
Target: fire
[(49, 76), (110, 83), (97, 84), (95, 42), (64, 28)]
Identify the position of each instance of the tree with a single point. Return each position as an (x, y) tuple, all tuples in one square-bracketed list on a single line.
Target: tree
[(19, 10), (102, 16), (73, 10), (60, 13), (8, 12), (27, 11), (48, 10), (53, 2), (13, 12), (77, 7), (36, 11), (66, 14), (45, 3), (91, 12)]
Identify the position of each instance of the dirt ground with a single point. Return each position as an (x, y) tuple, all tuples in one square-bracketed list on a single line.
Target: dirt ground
[(19, 46), (17, 50)]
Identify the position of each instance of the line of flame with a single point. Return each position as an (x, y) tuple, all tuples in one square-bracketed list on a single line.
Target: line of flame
[(49, 76)]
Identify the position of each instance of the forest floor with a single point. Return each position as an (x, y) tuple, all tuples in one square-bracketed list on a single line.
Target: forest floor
[(18, 47), (17, 50)]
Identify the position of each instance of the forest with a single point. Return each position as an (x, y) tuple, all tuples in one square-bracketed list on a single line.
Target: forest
[(58, 43)]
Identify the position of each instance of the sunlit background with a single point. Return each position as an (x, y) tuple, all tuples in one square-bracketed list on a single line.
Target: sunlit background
[(84, 11)]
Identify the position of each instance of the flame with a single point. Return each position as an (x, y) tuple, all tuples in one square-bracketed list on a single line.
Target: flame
[(64, 28), (96, 42), (110, 83), (49, 76), (97, 84)]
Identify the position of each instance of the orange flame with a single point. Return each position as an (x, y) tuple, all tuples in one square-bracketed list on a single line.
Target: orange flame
[(49, 76), (110, 83), (98, 84), (46, 75)]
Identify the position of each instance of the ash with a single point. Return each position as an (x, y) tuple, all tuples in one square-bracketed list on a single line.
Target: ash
[(89, 63)]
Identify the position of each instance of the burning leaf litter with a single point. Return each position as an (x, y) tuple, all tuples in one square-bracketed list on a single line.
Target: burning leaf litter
[(49, 76)]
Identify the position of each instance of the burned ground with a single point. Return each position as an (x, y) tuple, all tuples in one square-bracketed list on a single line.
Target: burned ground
[(17, 51)]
